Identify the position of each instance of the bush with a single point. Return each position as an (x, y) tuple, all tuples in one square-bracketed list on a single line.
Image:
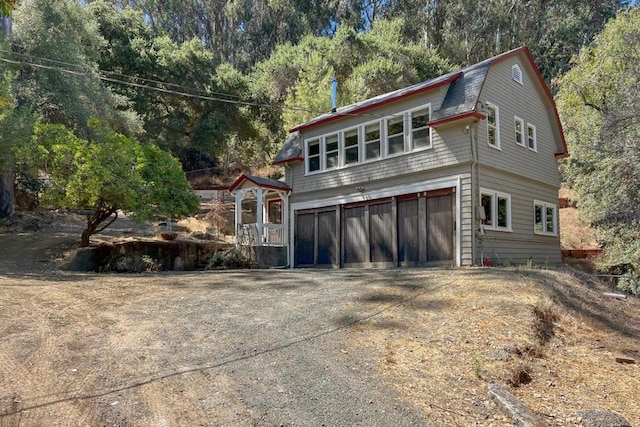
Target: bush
[(231, 259)]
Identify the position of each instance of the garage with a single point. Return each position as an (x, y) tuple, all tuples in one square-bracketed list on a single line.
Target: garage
[(408, 230)]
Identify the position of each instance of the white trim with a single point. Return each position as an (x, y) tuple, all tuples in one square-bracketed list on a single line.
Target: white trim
[(412, 146), (306, 155), (522, 131), (494, 209), (545, 206), (535, 137), (497, 126), (398, 190), (516, 74)]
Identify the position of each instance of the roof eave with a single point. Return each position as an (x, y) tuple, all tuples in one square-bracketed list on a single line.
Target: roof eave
[(382, 102), (287, 161), (474, 115)]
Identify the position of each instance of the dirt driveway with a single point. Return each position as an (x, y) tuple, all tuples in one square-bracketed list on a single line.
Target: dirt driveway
[(213, 348)]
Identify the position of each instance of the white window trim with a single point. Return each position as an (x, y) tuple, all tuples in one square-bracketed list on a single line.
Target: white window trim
[(363, 127), (306, 156), (342, 154), (405, 138), (517, 71), (495, 146), (522, 131), (323, 150), (545, 206), (410, 125), (535, 137), (494, 209)]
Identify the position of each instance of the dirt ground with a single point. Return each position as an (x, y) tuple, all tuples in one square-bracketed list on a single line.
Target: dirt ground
[(304, 347)]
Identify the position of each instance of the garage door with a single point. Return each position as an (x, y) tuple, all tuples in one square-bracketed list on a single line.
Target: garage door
[(315, 239)]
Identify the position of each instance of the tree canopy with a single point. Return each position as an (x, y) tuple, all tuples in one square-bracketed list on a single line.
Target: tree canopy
[(600, 105)]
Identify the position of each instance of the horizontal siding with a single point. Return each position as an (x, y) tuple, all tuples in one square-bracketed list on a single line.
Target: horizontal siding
[(528, 103), (465, 222), (522, 243), (456, 150)]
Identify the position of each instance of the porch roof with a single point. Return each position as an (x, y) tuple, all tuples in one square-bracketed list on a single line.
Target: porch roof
[(259, 182)]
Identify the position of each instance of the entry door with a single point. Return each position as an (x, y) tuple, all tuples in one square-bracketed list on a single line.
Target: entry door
[(440, 227)]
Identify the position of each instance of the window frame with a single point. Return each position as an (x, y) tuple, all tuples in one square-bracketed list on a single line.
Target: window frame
[(357, 146), (535, 137), (411, 130), (308, 157), (403, 119), (544, 216), (495, 126), (495, 197), (325, 152), (517, 120)]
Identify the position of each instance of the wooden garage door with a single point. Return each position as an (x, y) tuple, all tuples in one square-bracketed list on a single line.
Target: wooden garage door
[(315, 238), (408, 232), (356, 235), (440, 227), (381, 245)]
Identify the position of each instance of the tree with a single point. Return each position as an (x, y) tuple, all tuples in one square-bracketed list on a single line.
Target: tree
[(599, 101), (110, 173)]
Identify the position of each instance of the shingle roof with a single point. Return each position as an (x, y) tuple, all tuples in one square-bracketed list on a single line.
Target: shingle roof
[(260, 182), (460, 100)]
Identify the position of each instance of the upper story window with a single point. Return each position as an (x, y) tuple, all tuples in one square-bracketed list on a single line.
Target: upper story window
[(420, 130), (531, 137), (331, 151), (545, 218), (519, 128), (372, 141), (493, 126), (395, 135), (497, 210), (516, 73), (391, 136), (351, 146), (313, 155)]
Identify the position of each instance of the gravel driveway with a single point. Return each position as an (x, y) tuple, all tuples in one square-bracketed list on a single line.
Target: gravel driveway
[(212, 348)]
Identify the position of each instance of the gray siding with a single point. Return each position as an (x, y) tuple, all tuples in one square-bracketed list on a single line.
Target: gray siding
[(528, 103), (521, 243)]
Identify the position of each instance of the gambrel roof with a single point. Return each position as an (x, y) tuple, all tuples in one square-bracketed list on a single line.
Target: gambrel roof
[(460, 102)]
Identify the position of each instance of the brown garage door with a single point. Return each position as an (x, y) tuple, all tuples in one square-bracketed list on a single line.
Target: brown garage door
[(315, 239)]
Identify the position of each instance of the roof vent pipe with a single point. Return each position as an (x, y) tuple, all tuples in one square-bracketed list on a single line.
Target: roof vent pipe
[(334, 93)]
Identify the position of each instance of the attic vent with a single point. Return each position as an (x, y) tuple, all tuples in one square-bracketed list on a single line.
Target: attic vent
[(516, 73)]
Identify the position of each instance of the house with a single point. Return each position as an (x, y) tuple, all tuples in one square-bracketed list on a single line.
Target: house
[(459, 170)]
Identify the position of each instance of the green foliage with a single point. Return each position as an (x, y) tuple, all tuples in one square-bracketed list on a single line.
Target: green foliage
[(600, 107), (232, 259), (111, 172)]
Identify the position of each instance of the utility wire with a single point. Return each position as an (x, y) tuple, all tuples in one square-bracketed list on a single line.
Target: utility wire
[(168, 91)]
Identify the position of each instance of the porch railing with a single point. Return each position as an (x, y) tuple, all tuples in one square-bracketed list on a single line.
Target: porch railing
[(272, 235)]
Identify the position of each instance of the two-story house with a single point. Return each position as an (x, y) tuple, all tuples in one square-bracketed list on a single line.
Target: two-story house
[(458, 170)]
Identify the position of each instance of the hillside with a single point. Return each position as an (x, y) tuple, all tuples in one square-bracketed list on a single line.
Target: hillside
[(435, 337)]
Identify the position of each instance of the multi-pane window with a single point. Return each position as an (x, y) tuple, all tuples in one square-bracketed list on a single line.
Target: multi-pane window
[(331, 151), (545, 218), (493, 126), (519, 127), (496, 209), (395, 135), (372, 141), (420, 130), (531, 137), (313, 155), (351, 146)]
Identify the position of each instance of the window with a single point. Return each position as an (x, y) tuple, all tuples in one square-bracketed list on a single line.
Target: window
[(395, 135), (351, 146), (372, 141), (545, 218), (531, 137), (493, 126), (516, 73), (420, 130), (313, 155), (519, 126), (331, 151), (497, 210)]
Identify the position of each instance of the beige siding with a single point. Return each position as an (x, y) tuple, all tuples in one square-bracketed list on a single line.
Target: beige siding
[(528, 103), (521, 243)]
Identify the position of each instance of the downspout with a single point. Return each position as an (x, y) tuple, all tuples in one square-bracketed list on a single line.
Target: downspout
[(289, 225), (475, 187)]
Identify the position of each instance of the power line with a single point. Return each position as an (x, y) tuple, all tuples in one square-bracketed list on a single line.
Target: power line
[(169, 91)]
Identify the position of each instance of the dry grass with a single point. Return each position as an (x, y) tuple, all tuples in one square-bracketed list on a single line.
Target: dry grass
[(551, 336)]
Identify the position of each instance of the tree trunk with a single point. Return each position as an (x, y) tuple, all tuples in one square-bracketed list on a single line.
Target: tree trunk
[(6, 193)]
